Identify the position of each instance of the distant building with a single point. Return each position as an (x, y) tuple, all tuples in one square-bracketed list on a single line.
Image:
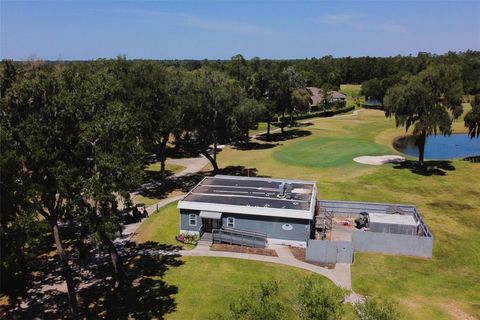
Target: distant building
[(317, 97)]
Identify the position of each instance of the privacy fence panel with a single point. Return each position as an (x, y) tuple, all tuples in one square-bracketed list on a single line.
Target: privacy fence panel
[(392, 244), (326, 251)]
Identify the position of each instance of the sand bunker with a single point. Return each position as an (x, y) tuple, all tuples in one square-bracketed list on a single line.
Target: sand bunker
[(379, 160)]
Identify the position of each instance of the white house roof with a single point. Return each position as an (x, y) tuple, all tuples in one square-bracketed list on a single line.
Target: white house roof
[(253, 196)]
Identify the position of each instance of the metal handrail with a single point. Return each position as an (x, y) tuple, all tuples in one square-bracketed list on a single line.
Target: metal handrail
[(241, 232), (240, 237)]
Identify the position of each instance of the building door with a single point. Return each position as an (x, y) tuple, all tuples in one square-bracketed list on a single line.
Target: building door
[(207, 225), (210, 224)]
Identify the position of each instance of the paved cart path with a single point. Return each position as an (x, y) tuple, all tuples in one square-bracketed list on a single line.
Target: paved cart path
[(192, 165), (340, 275)]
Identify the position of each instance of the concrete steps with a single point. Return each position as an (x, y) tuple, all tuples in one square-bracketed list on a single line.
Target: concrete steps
[(205, 240)]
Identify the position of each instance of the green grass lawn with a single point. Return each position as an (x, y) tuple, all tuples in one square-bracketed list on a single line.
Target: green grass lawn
[(262, 127), (172, 168), (162, 227), (326, 152), (206, 286), (350, 90), (138, 198)]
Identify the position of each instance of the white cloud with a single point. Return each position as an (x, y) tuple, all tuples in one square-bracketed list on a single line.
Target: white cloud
[(342, 19), (193, 21), (392, 26), (360, 23)]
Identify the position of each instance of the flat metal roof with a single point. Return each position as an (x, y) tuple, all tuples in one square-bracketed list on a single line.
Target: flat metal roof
[(253, 195)]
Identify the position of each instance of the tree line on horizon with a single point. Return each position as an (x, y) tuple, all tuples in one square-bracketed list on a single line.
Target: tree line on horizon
[(334, 71)]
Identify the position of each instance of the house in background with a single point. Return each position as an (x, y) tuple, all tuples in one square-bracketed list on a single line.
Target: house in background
[(273, 211), (317, 97)]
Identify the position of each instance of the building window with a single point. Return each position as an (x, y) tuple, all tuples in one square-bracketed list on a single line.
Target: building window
[(230, 222), (192, 219)]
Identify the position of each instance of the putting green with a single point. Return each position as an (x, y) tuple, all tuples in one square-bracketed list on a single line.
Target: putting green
[(328, 152)]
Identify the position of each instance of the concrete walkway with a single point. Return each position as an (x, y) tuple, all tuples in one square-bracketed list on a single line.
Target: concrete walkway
[(192, 165), (340, 275)]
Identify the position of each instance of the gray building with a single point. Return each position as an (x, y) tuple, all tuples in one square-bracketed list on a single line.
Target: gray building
[(282, 210)]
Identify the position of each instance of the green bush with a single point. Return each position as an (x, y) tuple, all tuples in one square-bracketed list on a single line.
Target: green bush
[(317, 301), (191, 239), (261, 302), (374, 309)]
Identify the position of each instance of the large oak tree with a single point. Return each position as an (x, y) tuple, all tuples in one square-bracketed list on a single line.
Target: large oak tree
[(428, 102)]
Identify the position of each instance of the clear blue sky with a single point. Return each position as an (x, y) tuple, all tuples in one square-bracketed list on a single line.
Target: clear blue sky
[(220, 29)]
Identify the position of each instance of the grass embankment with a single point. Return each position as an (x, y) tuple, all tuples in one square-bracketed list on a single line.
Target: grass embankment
[(206, 286), (446, 286)]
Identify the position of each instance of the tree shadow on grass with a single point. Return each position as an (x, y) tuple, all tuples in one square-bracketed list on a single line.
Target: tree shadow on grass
[(148, 296), (429, 168), (304, 124), (254, 146), (240, 171), (161, 190), (295, 124), (151, 175), (287, 135), (178, 152)]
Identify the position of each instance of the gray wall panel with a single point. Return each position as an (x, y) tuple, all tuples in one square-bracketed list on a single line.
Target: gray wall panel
[(327, 251), (272, 226), (184, 220), (393, 244)]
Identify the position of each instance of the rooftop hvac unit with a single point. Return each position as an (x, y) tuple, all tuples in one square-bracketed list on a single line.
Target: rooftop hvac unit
[(281, 189)]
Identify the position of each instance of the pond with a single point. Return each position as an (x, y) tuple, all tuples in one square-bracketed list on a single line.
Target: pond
[(441, 147)]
